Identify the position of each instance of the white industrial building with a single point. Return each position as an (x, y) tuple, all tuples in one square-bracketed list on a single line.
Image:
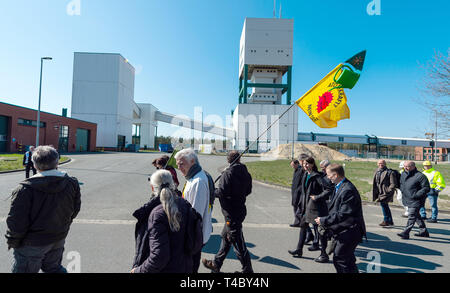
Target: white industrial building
[(265, 57), (103, 93)]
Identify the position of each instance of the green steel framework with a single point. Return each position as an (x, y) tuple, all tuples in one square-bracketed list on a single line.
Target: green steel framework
[(244, 85)]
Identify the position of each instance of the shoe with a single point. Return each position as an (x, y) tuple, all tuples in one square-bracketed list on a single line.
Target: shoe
[(383, 224), (432, 221), (322, 259), (390, 224), (209, 264), (314, 247), (403, 236), (424, 234), (294, 225), (404, 215), (296, 253)]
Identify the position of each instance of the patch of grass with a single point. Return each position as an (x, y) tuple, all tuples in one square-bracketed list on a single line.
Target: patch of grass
[(9, 162), (360, 173)]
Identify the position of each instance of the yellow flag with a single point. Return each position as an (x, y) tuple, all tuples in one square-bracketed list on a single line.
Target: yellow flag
[(325, 107)]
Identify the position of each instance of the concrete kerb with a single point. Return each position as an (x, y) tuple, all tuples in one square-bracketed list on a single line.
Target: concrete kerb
[(21, 170), (364, 202)]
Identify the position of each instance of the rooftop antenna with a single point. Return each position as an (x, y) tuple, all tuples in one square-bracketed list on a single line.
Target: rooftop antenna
[(274, 8)]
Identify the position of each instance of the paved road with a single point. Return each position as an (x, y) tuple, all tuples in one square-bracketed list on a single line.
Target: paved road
[(114, 185)]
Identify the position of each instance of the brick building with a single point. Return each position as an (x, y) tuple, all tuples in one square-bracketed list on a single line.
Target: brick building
[(18, 130), (427, 154)]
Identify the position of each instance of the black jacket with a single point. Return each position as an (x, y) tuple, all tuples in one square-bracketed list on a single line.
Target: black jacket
[(310, 209), (141, 234), (296, 185), (345, 210), (165, 249), (414, 187), (29, 163), (234, 187), (42, 210)]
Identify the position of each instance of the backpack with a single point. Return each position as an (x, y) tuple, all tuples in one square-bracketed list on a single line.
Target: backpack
[(397, 177), (212, 188), (194, 231)]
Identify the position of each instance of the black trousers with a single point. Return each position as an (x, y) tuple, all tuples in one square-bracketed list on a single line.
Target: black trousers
[(232, 236), (27, 170), (304, 231), (196, 260), (344, 259), (414, 217)]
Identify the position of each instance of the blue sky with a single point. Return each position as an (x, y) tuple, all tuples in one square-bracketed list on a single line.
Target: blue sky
[(186, 53)]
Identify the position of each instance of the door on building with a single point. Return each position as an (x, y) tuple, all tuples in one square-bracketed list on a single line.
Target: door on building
[(82, 144), (120, 143), (3, 133), (63, 144)]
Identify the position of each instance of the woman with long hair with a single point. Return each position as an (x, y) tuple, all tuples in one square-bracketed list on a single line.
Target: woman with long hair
[(312, 204), (160, 246)]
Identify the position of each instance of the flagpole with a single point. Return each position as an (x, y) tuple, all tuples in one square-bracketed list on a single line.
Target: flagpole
[(173, 153), (257, 139)]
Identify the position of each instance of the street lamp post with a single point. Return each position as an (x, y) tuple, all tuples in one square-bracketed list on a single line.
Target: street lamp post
[(38, 124)]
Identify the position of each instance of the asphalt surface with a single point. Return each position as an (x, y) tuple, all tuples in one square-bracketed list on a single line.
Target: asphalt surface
[(115, 184)]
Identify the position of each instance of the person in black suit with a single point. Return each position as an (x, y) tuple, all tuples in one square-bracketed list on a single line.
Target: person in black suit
[(312, 204), (345, 220), (296, 192), (27, 163)]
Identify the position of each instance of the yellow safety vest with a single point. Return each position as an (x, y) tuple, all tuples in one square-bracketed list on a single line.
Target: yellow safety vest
[(435, 178)]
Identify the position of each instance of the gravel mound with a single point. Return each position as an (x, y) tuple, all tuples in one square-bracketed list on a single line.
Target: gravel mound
[(318, 152)]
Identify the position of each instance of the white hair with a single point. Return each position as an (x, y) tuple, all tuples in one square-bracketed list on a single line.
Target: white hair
[(325, 163), (163, 185), (188, 154), (45, 158)]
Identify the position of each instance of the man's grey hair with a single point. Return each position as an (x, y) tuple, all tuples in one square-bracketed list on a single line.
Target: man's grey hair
[(324, 163), (187, 154), (45, 158)]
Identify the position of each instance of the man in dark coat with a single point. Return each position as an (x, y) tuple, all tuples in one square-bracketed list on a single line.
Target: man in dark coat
[(234, 187), (42, 210), (414, 186), (28, 163), (296, 181), (384, 182), (345, 220)]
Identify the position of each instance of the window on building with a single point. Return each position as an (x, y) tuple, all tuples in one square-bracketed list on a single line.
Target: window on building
[(404, 142), (26, 122), (64, 131), (341, 139)]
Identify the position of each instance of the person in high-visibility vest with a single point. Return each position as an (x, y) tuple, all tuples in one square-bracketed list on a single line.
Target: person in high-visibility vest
[(437, 184)]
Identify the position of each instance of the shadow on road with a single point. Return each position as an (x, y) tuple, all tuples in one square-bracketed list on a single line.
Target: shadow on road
[(399, 255), (382, 242), (214, 243)]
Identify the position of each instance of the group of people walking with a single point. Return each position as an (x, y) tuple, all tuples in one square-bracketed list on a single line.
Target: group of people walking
[(413, 188), (329, 203), (175, 224), (169, 227)]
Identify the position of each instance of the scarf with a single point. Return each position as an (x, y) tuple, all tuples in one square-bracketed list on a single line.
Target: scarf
[(193, 171)]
